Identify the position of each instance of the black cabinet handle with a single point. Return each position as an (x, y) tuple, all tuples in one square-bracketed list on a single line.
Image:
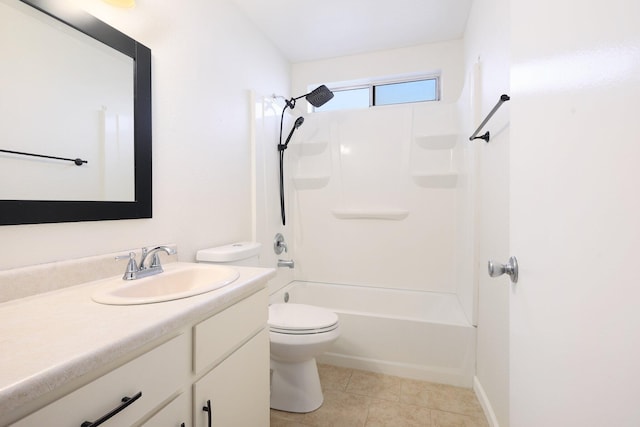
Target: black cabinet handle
[(207, 409), (126, 401)]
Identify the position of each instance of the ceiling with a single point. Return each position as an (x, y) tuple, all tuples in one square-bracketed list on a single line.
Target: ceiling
[(307, 30)]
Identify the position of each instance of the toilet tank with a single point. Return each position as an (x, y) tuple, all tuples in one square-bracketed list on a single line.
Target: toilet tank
[(240, 253)]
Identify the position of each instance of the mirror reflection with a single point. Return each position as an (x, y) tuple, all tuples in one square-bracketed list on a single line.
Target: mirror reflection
[(64, 95)]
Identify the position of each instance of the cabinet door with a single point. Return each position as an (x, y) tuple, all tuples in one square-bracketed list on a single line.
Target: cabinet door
[(238, 388)]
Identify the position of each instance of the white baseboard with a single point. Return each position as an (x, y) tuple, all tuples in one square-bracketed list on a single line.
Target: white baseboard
[(417, 372), (484, 402)]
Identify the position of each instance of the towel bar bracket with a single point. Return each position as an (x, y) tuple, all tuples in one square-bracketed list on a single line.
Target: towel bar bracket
[(486, 136)]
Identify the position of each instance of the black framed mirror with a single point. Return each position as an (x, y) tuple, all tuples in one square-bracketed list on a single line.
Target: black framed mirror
[(138, 204)]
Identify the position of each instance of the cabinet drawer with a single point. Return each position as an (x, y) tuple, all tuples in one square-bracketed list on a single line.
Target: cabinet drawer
[(158, 374), (221, 334)]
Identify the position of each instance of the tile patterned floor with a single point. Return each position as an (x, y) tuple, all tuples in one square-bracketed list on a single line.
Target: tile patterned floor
[(354, 398)]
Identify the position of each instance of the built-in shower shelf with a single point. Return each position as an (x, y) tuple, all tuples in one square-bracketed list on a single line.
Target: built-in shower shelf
[(386, 214), (435, 180), (437, 142), (310, 148), (310, 182)]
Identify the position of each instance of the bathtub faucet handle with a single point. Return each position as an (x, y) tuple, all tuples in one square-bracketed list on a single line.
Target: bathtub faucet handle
[(279, 244)]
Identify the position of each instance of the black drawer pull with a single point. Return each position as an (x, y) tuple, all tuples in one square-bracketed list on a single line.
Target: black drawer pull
[(126, 401), (207, 409)]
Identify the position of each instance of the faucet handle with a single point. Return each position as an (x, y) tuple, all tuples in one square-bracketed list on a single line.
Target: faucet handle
[(132, 266), (155, 261), (279, 244), (129, 256)]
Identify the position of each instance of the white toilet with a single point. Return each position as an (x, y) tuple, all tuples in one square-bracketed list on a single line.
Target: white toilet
[(297, 332)]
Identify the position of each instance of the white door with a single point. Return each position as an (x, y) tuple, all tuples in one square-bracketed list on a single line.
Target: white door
[(575, 213)]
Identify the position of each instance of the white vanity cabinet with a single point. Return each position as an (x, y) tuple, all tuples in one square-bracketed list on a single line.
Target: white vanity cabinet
[(235, 392), (156, 376), (221, 361)]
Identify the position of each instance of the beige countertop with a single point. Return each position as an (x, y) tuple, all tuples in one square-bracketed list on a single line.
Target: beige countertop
[(50, 340)]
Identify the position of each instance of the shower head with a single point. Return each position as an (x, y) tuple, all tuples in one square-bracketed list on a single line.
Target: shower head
[(299, 121), (319, 96)]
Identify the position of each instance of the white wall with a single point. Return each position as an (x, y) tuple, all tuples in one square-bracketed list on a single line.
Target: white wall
[(487, 65), (206, 58)]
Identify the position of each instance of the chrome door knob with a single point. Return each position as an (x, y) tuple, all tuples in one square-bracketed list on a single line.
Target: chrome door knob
[(510, 268)]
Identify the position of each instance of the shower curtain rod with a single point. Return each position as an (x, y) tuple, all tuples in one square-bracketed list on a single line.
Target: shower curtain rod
[(487, 135)]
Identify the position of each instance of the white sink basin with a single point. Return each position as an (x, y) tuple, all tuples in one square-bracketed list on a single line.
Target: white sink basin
[(179, 280)]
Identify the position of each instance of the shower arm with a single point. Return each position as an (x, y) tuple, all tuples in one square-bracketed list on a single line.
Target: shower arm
[(291, 103)]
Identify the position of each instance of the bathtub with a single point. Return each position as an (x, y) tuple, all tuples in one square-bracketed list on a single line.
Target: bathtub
[(412, 334)]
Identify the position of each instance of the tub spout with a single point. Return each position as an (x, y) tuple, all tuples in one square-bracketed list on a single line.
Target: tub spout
[(286, 263)]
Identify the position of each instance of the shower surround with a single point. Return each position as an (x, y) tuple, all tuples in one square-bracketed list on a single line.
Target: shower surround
[(379, 210)]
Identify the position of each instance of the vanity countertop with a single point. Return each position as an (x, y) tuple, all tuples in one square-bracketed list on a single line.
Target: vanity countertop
[(50, 340)]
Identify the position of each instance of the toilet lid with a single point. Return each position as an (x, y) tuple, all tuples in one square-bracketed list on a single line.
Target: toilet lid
[(301, 319)]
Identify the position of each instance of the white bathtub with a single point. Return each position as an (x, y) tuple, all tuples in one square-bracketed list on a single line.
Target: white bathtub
[(420, 335)]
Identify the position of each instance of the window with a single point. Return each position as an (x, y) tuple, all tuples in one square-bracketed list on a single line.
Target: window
[(383, 93), (347, 99), (399, 93)]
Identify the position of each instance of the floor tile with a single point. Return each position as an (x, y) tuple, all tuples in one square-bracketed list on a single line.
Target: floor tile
[(340, 409), (277, 421), (289, 416), (441, 397), (448, 419), (355, 398), (334, 377), (384, 413), (375, 385)]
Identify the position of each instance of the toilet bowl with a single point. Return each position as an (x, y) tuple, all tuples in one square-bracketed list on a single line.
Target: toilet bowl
[(297, 333)]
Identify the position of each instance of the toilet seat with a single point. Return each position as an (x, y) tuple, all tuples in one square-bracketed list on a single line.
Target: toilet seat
[(301, 319)]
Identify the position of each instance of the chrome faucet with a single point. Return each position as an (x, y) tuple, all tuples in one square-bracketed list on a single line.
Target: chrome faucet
[(286, 263), (155, 260), (137, 271)]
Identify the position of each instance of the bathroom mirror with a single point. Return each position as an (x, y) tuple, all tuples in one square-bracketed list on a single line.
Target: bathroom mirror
[(75, 117)]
